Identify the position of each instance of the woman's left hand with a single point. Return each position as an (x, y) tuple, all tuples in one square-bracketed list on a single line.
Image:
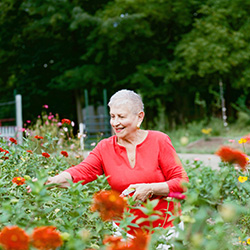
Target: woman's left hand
[(142, 192)]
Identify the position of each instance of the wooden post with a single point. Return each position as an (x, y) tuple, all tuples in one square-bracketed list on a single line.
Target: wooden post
[(19, 118)]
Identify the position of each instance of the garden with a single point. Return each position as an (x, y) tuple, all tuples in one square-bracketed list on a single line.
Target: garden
[(215, 207)]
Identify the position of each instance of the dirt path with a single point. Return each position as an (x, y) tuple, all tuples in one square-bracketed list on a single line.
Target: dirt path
[(211, 160)]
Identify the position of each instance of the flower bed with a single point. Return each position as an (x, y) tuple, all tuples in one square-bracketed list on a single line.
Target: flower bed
[(215, 208)]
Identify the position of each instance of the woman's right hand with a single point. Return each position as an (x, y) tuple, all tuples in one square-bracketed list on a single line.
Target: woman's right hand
[(61, 179)]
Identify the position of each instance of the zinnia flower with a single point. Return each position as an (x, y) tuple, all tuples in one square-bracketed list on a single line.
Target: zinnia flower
[(38, 137), (231, 155), (242, 179), (248, 241), (46, 106), (242, 140), (177, 195), (67, 121), (18, 180), (5, 152), (140, 241), (109, 204), (14, 238), (46, 238), (13, 140), (46, 155), (29, 151), (64, 153)]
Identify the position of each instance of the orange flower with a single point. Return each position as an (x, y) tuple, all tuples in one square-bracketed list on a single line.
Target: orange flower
[(38, 137), (13, 140), (14, 238), (140, 242), (46, 155), (67, 121), (115, 243), (46, 238), (109, 204), (29, 151), (18, 180), (64, 153), (231, 155)]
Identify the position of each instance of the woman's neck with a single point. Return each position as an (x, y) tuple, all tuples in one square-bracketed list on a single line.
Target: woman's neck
[(138, 137)]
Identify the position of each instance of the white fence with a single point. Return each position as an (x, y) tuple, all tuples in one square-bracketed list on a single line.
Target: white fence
[(12, 131)]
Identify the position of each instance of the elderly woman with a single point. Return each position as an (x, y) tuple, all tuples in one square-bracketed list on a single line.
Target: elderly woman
[(133, 158)]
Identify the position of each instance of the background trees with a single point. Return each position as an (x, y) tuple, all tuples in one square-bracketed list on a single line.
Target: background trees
[(173, 52)]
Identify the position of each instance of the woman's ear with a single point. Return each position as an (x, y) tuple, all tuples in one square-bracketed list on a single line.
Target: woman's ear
[(141, 116)]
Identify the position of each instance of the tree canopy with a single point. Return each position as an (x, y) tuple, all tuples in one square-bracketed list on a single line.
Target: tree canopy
[(174, 53)]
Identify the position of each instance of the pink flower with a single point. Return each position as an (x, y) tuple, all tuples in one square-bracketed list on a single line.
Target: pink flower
[(28, 121), (231, 140), (196, 159), (177, 195), (46, 106)]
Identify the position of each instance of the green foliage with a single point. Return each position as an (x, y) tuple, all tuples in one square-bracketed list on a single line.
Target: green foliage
[(215, 212)]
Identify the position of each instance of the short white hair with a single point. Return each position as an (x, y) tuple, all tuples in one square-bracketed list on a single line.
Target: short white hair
[(128, 97)]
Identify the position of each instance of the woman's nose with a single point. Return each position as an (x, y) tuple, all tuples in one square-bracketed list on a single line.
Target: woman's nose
[(115, 121)]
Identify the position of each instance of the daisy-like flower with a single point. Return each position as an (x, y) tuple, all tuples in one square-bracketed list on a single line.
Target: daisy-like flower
[(248, 241), (18, 180), (64, 153), (242, 140), (14, 238), (46, 155), (67, 121), (13, 140), (242, 179), (177, 195), (139, 242), (5, 152), (109, 204), (46, 238), (38, 137), (231, 155)]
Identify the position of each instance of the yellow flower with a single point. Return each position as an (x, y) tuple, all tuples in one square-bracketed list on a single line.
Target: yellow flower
[(206, 131), (242, 179), (248, 241), (242, 140)]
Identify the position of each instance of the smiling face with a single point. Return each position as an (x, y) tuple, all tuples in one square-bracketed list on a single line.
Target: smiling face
[(124, 121)]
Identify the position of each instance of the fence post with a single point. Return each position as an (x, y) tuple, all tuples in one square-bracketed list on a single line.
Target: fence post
[(19, 118)]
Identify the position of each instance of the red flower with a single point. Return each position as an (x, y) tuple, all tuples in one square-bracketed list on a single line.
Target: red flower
[(46, 238), (247, 137), (14, 238), (29, 151), (18, 180), (46, 155), (6, 152), (67, 121), (64, 153), (231, 155), (38, 137), (13, 140), (109, 204), (177, 195)]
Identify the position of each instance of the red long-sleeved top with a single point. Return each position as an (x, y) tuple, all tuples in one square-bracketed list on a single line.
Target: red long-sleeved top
[(156, 161)]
